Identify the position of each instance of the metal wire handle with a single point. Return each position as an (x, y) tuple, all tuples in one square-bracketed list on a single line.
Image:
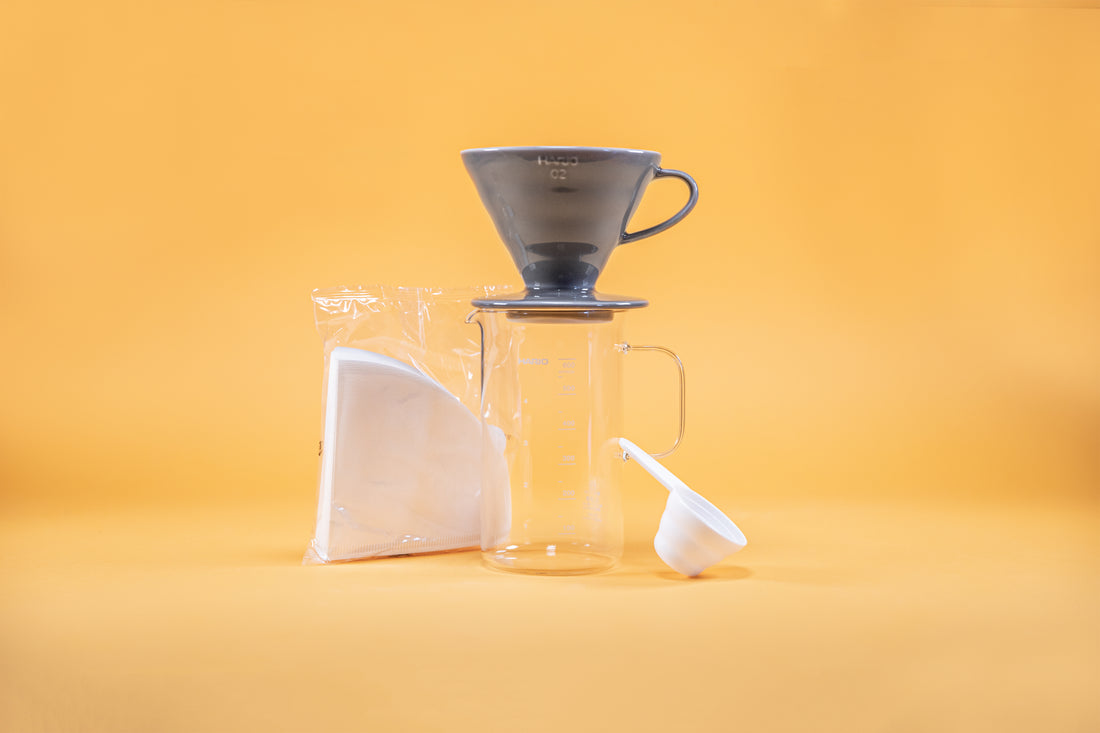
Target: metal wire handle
[(625, 348)]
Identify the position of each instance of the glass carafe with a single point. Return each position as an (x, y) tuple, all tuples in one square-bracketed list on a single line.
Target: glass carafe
[(552, 411)]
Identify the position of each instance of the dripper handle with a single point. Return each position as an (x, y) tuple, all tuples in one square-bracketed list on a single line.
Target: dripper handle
[(675, 218)]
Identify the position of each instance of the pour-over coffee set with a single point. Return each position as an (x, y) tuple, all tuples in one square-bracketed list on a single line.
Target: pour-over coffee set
[(551, 365)]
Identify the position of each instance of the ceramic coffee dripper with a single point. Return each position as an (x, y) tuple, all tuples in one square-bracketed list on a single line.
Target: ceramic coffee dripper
[(562, 211)]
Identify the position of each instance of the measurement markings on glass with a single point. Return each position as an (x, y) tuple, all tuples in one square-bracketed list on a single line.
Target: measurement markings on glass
[(569, 450), (566, 367)]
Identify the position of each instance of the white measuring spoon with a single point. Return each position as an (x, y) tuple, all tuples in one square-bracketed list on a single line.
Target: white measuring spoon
[(693, 534)]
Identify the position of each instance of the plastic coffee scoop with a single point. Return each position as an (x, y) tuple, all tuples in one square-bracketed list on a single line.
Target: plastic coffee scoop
[(693, 534)]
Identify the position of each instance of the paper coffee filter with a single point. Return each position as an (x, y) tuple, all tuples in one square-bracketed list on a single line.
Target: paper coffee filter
[(401, 462)]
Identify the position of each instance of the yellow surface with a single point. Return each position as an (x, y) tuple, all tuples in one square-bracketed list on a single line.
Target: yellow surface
[(887, 300), (840, 616)]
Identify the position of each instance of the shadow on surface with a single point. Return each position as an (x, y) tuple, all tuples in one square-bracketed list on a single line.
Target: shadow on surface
[(732, 572), (283, 556), (662, 577)]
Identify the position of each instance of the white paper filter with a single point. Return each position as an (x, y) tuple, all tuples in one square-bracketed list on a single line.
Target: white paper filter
[(400, 469)]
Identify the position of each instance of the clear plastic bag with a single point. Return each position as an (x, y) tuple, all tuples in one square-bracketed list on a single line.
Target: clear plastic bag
[(399, 458)]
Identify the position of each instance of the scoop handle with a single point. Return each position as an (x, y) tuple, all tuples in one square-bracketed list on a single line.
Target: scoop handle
[(653, 467)]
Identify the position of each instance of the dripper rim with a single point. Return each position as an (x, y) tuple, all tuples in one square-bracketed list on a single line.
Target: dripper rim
[(520, 148)]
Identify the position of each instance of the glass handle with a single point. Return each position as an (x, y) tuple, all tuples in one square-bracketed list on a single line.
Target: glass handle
[(472, 317), (626, 348)]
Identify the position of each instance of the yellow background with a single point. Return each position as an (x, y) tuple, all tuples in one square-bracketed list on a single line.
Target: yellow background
[(887, 300)]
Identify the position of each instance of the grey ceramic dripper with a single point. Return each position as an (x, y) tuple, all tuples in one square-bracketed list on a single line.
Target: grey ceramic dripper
[(561, 212)]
